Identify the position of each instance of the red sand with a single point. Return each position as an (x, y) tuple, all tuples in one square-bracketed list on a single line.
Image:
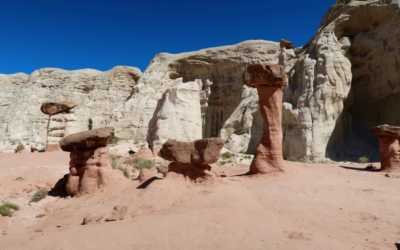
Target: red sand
[(310, 206)]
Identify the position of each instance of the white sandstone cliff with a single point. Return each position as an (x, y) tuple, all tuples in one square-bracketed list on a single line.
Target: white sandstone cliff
[(218, 74), (96, 93)]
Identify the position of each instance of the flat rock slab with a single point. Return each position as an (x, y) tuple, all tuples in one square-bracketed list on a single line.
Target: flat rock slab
[(199, 152), (88, 139), (52, 108), (386, 130)]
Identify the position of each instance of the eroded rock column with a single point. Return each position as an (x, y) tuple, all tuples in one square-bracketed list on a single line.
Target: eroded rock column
[(192, 159), (389, 146), (269, 80), (90, 167)]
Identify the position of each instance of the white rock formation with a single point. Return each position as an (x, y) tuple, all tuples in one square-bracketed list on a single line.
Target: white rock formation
[(96, 93), (178, 115), (314, 100), (10, 86), (217, 71)]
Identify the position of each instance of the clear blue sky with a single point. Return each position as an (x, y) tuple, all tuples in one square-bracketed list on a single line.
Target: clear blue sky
[(100, 34)]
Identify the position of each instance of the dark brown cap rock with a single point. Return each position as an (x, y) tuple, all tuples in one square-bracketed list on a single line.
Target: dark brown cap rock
[(88, 139), (386, 130), (265, 74), (52, 108)]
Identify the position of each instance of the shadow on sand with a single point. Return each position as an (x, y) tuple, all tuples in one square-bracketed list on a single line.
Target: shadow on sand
[(362, 169), (60, 188), (148, 182)]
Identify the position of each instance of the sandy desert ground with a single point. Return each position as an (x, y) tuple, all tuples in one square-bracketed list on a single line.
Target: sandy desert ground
[(310, 206)]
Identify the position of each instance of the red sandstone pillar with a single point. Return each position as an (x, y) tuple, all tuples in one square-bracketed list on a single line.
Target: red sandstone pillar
[(269, 80), (389, 146)]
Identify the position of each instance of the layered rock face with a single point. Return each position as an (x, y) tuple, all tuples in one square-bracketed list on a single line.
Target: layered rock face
[(192, 159), (170, 81), (95, 93), (389, 146), (269, 79), (90, 167)]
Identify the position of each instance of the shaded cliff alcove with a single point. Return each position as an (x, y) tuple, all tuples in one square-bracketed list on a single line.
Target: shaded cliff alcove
[(374, 32)]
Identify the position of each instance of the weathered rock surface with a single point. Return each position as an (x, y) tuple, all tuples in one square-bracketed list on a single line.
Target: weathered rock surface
[(216, 71), (389, 147), (96, 94), (52, 108), (269, 79), (199, 152), (90, 167)]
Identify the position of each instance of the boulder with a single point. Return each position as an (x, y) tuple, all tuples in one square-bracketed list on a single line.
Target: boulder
[(52, 108), (199, 152), (269, 79), (191, 159)]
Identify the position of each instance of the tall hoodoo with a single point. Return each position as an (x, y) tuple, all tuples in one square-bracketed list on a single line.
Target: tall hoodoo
[(389, 146), (268, 79)]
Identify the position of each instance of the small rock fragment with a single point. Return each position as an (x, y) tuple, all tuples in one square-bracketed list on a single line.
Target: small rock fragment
[(118, 213), (91, 219), (19, 148), (222, 174), (145, 174)]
